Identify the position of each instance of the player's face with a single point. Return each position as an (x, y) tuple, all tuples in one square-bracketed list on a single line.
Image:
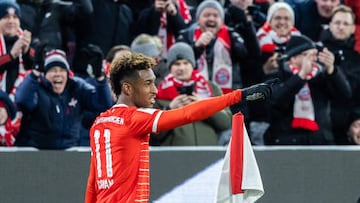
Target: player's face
[(144, 91)]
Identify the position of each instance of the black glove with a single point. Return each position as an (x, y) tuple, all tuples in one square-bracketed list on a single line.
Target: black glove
[(39, 57), (259, 92), (89, 61)]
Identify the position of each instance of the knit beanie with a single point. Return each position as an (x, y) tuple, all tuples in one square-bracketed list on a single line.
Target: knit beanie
[(180, 50), (9, 7), (146, 49), (297, 44), (280, 5), (54, 58), (210, 4)]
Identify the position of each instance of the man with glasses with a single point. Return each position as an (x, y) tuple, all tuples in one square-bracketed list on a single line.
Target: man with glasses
[(339, 38)]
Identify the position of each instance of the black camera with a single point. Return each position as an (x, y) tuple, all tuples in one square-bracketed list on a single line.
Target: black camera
[(188, 90)]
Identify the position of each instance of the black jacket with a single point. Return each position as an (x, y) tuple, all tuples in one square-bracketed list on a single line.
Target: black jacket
[(349, 62)]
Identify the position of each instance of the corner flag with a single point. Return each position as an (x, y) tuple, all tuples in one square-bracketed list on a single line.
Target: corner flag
[(240, 180)]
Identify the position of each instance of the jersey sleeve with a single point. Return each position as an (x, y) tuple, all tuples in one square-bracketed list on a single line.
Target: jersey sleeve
[(145, 120), (196, 111)]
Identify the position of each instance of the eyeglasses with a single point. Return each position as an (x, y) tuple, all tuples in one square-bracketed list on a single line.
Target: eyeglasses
[(345, 24)]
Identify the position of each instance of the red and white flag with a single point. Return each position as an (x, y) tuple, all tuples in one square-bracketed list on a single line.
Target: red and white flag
[(240, 180)]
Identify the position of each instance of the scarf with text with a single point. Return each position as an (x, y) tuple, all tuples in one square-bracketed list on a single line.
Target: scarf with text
[(167, 37), (269, 40), (21, 73), (167, 89), (222, 64), (304, 114)]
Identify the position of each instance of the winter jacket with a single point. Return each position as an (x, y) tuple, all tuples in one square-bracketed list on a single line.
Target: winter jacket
[(349, 62), (324, 88), (53, 121)]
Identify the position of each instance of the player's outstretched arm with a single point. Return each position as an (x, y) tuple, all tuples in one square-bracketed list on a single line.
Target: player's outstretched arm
[(205, 108)]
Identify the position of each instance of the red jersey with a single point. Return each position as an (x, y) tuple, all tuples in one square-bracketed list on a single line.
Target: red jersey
[(119, 141)]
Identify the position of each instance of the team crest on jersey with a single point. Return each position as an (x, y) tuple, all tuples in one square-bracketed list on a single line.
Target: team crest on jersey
[(222, 76)]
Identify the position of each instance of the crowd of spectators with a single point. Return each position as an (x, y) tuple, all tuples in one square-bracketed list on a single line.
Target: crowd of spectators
[(55, 57)]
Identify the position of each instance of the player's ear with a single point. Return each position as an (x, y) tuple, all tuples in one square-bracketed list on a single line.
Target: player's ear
[(126, 88)]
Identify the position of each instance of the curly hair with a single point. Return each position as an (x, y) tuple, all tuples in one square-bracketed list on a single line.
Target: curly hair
[(127, 67)]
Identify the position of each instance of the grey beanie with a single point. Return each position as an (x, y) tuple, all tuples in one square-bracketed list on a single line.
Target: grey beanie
[(210, 4), (146, 49), (180, 50)]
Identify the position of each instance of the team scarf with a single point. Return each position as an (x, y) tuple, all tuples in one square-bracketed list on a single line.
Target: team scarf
[(304, 114), (167, 89), (8, 132), (21, 74), (269, 39), (167, 37), (222, 64)]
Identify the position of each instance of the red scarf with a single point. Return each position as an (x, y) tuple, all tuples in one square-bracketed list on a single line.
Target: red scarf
[(168, 38), (8, 132), (222, 64), (167, 89), (21, 74), (304, 114), (268, 38)]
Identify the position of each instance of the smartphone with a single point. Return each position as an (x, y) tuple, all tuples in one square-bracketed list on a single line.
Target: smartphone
[(188, 90)]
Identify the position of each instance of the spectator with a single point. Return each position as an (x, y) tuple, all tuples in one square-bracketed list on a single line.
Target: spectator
[(165, 19), (353, 132), (47, 20), (110, 24), (253, 13), (15, 54), (300, 111), (219, 49), (88, 64), (114, 53), (355, 6), (53, 104), (183, 86), (311, 17), (9, 125), (339, 38), (147, 45), (239, 17), (119, 169), (273, 37)]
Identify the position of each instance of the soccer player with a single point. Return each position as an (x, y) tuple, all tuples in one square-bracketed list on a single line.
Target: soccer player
[(119, 137)]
